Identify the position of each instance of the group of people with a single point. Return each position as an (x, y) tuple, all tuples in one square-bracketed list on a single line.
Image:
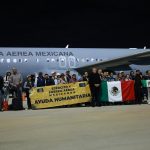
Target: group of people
[(98, 75), (13, 83)]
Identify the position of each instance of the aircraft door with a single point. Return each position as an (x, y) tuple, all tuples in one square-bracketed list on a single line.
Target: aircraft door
[(62, 62), (72, 62)]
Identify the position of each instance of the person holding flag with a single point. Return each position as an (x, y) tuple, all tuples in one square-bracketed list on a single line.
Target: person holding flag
[(138, 87), (94, 82)]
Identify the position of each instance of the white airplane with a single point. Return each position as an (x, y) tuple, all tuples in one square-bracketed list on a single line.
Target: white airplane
[(31, 60)]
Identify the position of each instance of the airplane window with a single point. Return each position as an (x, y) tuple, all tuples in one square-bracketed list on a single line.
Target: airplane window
[(14, 60), (20, 60), (37, 60), (52, 60), (8, 60), (92, 59), (87, 59), (97, 59), (48, 60), (2, 60), (101, 59), (25, 60), (83, 60)]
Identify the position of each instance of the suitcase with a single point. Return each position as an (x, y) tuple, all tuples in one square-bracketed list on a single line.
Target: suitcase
[(5, 105), (17, 104)]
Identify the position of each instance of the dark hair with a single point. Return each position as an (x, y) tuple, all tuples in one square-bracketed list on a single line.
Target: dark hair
[(62, 75), (137, 70), (40, 73), (8, 73), (67, 71)]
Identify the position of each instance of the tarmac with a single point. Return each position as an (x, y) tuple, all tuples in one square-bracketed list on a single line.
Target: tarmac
[(124, 127)]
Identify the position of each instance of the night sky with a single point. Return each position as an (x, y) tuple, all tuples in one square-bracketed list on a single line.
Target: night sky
[(87, 23)]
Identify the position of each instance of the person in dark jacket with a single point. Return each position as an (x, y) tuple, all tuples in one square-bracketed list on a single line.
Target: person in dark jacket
[(145, 89), (138, 87), (40, 80), (132, 75), (94, 82), (68, 76), (48, 81), (85, 77), (1, 91)]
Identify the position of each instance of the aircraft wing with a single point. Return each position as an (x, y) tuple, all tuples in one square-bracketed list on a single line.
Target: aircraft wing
[(121, 61)]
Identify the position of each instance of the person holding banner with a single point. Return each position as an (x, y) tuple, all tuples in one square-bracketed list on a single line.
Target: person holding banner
[(63, 79), (94, 82), (68, 76), (73, 79), (40, 80), (48, 81)]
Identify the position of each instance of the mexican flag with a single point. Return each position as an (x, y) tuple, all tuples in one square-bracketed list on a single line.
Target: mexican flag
[(117, 91), (146, 83)]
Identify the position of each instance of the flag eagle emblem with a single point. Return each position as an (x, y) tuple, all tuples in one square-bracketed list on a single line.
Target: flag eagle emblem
[(114, 91)]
